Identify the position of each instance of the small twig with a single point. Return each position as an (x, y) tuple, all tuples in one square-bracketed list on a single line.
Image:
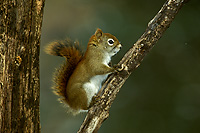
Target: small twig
[(131, 60)]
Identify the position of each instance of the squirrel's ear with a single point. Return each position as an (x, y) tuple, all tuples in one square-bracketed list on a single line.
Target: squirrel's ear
[(98, 33)]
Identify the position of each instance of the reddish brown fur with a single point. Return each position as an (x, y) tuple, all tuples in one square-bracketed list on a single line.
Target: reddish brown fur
[(79, 69)]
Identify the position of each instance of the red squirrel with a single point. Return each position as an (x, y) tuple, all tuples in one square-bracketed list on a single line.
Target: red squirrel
[(81, 76)]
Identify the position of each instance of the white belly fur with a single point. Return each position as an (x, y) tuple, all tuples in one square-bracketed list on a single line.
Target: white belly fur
[(93, 86)]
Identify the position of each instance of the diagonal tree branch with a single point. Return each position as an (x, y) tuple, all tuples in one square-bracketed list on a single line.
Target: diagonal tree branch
[(131, 60)]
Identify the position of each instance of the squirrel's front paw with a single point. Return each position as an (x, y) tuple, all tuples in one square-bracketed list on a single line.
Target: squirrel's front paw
[(118, 68)]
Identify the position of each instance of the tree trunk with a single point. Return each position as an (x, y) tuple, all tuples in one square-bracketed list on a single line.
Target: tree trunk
[(20, 31)]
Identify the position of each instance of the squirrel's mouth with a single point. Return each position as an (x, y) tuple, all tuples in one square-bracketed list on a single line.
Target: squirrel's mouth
[(116, 49)]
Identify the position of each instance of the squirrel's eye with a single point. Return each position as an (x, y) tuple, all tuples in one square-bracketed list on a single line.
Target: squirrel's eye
[(110, 41)]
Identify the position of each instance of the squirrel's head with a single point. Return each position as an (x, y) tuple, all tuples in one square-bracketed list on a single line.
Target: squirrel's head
[(105, 42)]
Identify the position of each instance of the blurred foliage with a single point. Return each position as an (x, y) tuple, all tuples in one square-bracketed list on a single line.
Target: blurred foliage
[(161, 96)]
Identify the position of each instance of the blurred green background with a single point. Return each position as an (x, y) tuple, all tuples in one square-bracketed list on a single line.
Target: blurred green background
[(161, 96)]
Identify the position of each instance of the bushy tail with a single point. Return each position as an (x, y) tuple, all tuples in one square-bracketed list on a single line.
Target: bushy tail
[(73, 54)]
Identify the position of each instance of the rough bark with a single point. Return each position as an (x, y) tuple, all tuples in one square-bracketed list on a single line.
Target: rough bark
[(131, 60), (20, 31)]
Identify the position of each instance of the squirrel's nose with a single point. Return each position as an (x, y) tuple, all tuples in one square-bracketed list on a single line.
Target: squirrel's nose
[(120, 45)]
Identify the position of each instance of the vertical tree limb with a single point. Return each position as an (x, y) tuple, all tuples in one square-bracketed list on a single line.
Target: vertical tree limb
[(131, 60), (20, 31)]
